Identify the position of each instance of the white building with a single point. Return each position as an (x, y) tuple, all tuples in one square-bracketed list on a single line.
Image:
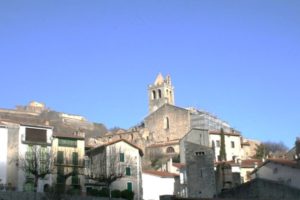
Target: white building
[(157, 183), (232, 145), (119, 158), (17, 141), (279, 170)]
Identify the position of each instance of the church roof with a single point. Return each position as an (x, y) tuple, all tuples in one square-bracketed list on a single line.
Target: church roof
[(159, 79)]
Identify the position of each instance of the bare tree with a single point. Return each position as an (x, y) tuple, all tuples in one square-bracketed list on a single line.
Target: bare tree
[(108, 166), (36, 163), (270, 149)]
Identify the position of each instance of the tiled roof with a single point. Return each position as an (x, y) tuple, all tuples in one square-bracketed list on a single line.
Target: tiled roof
[(179, 165), (120, 140), (162, 174), (217, 132), (288, 163), (163, 144), (250, 163)]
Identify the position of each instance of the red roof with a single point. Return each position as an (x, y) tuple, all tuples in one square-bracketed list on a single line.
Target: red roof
[(217, 132), (179, 165), (162, 174), (288, 163), (120, 140), (250, 163)]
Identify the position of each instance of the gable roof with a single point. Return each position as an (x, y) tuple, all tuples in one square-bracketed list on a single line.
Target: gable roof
[(218, 132), (284, 162), (117, 141), (161, 174)]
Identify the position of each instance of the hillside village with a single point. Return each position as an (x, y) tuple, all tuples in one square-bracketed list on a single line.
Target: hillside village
[(174, 152)]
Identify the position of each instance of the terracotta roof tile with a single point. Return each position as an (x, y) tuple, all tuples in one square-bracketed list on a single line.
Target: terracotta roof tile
[(217, 132), (179, 165), (120, 140)]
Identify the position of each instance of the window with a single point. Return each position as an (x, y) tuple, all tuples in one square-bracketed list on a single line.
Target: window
[(159, 94), (232, 144), (153, 94), (199, 153), (213, 144), (67, 142), (128, 171), (60, 157), (35, 135), (170, 150), (75, 158), (218, 143), (122, 157), (166, 123), (129, 186)]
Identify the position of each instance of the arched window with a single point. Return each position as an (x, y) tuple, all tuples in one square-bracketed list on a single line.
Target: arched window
[(170, 150), (153, 94), (166, 123), (171, 97), (159, 94)]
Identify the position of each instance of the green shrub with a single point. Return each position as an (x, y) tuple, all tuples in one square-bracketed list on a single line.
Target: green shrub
[(103, 193), (126, 194), (116, 194)]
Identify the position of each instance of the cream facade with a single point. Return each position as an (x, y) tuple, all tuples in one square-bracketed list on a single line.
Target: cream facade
[(117, 157), (232, 145), (69, 153)]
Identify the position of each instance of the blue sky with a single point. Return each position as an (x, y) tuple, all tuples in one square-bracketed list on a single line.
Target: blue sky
[(237, 59)]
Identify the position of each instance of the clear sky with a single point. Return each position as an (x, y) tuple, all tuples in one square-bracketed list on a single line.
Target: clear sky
[(237, 59)]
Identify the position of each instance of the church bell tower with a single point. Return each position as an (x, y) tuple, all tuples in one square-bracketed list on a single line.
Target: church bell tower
[(160, 93)]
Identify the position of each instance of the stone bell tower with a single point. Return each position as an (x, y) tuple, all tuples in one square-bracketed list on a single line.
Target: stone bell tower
[(160, 93)]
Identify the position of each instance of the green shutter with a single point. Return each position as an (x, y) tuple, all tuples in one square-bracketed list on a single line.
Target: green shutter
[(122, 157), (128, 171), (75, 180), (67, 142), (60, 157), (75, 158), (129, 186)]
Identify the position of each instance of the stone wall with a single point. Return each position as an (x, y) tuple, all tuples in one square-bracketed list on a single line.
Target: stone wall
[(261, 189), (178, 123), (200, 171)]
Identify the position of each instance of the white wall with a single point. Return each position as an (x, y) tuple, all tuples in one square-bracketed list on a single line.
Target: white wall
[(154, 186), (22, 150), (132, 160), (3, 154), (230, 152), (284, 174)]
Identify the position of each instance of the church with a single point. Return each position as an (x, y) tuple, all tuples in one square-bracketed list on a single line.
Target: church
[(166, 124)]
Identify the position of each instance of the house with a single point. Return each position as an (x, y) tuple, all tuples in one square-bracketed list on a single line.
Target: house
[(282, 171), (68, 153), (117, 159), (247, 166), (157, 183), (233, 146), (25, 147)]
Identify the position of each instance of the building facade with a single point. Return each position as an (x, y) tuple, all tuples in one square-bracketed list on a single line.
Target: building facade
[(119, 159)]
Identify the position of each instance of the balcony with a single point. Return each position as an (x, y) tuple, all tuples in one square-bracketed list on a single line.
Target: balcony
[(69, 163)]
